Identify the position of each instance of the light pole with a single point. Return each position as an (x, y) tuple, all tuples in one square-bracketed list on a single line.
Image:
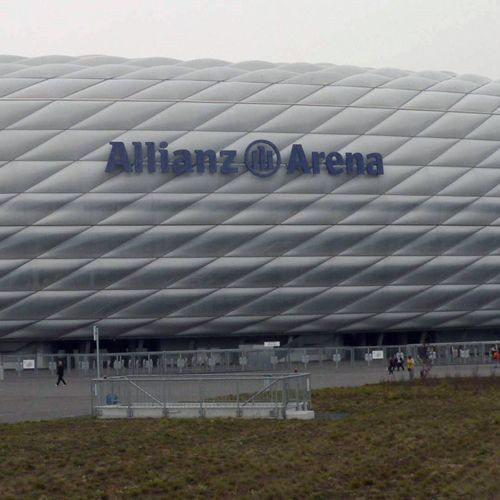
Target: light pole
[(96, 340)]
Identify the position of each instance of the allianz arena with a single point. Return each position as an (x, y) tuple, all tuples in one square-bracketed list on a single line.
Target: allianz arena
[(166, 199)]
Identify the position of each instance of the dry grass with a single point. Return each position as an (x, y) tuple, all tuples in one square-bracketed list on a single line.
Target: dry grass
[(431, 439)]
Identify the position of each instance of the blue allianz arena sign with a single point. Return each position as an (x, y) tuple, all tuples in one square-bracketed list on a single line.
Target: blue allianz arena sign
[(261, 158)]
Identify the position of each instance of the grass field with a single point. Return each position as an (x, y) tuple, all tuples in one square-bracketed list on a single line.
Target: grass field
[(426, 439)]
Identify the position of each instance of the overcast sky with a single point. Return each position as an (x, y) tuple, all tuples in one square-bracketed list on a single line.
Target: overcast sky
[(456, 35)]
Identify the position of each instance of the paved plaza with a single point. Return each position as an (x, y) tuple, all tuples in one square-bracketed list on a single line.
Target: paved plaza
[(30, 397)]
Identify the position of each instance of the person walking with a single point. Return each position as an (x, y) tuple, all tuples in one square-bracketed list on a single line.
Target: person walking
[(410, 366), (60, 373), (400, 361), (392, 365)]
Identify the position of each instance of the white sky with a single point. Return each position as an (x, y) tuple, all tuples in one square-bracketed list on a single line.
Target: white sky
[(455, 35)]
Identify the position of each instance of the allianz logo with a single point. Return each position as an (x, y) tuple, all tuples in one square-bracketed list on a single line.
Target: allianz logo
[(262, 158)]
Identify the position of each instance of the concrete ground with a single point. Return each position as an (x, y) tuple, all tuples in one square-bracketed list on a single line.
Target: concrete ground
[(37, 398), (28, 398), (356, 376)]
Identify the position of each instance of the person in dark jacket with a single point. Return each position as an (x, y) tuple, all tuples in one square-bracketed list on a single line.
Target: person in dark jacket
[(392, 365), (60, 373), (400, 361)]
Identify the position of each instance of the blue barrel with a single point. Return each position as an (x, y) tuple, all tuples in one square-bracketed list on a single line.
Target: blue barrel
[(111, 399)]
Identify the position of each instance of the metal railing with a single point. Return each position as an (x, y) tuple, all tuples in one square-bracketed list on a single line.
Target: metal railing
[(234, 360), (232, 394)]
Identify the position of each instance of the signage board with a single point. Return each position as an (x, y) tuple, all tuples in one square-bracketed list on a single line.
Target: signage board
[(272, 344), (28, 364)]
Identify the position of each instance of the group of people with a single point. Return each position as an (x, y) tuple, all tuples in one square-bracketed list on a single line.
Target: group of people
[(397, 363)]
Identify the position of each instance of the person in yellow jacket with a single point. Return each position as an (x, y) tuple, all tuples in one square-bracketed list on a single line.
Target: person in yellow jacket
[(410, 366)]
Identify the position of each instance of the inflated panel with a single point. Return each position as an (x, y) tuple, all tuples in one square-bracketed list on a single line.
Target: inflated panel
[(158, 254)]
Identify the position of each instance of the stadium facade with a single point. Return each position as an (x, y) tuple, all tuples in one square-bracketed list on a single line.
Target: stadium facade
[(166, 199)]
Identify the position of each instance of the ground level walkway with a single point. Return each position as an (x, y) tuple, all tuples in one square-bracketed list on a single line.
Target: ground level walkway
[(37, 398)]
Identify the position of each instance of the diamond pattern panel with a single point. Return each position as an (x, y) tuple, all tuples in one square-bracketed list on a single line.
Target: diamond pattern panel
[(166, 254)]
